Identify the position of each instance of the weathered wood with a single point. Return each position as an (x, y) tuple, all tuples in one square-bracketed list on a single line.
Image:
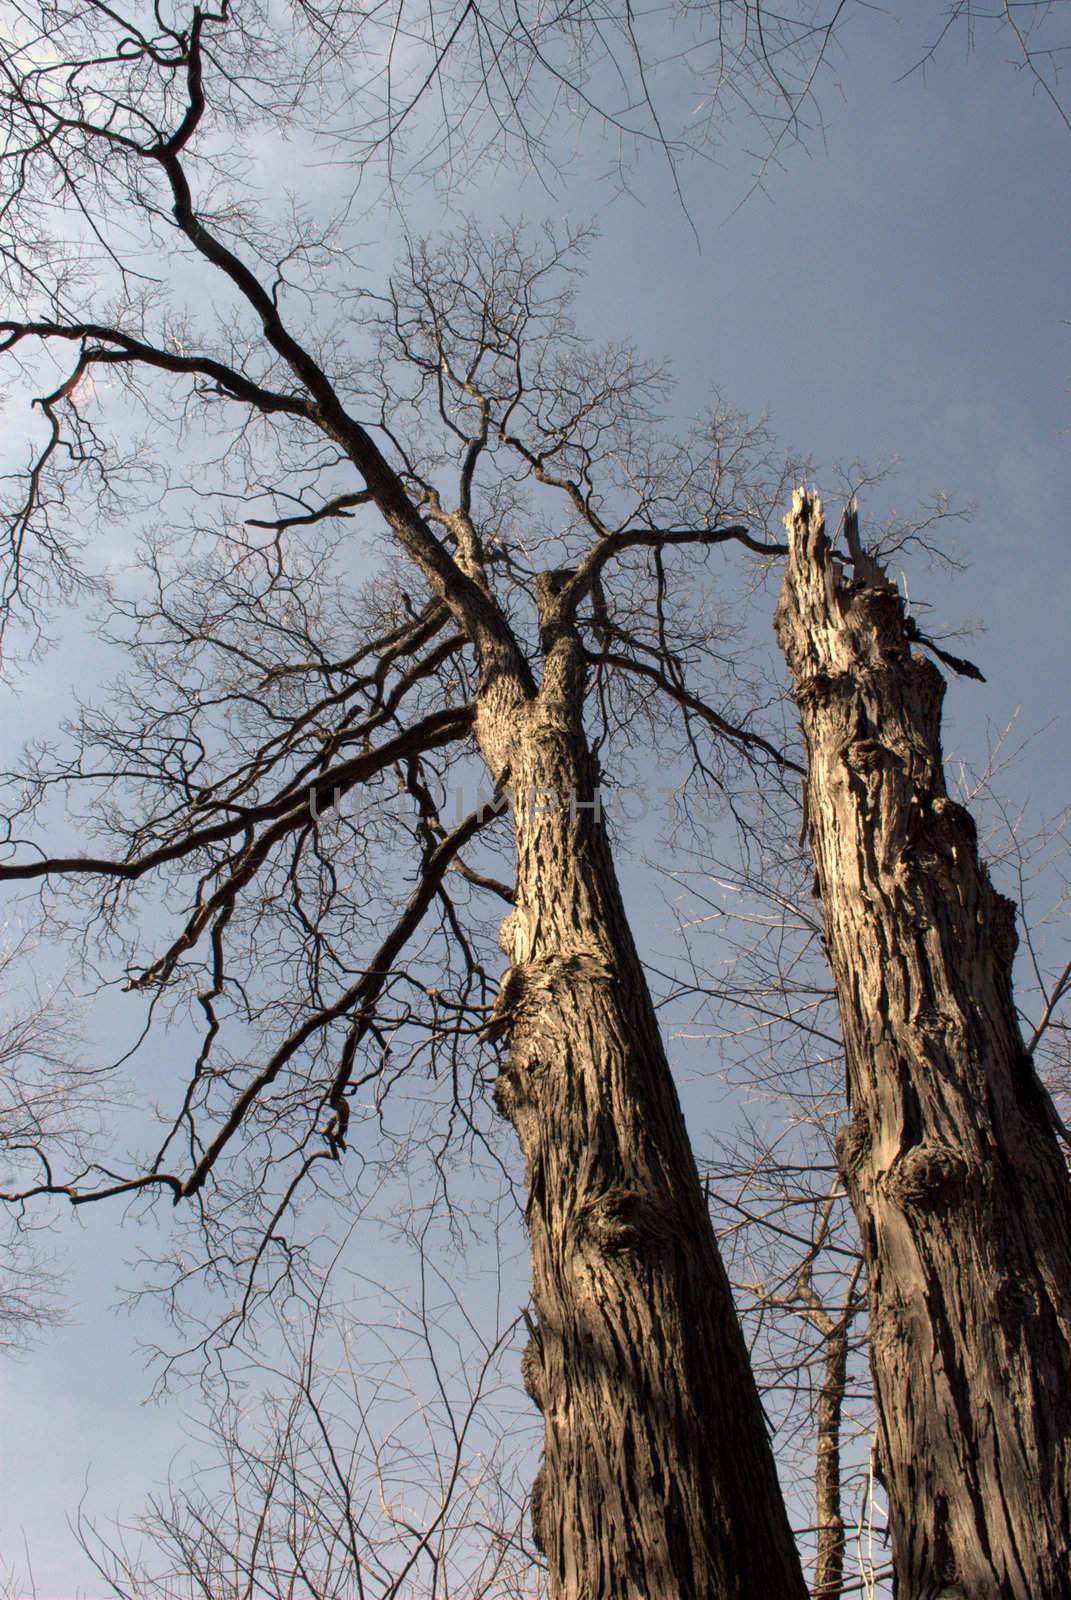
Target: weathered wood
[(951, 1160), (658, 1482)]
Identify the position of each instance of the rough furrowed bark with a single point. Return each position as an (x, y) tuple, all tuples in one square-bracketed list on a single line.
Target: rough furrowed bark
[(658, 1482), (951, 1159)]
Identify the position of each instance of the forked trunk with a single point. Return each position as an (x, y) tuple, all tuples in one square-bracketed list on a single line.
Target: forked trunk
[(658, 1482), (951, 1159)]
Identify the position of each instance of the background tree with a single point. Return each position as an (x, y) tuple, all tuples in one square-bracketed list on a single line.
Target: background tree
[(50, 1112), (758, 990), (356, 1462)]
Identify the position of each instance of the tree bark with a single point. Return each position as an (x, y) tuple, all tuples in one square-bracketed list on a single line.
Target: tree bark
[(829, 1517), (951, 1158), (658, 1482)]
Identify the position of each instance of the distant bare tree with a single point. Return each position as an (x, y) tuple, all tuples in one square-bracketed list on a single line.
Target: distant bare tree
[(50, 1112), (358, 1462), (760, 992)]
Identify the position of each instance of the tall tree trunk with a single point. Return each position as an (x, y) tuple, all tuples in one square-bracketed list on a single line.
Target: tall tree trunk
[(951, 1159), (658, 1481)]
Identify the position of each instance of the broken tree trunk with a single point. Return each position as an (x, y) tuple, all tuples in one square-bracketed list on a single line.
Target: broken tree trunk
[(951, 1158)]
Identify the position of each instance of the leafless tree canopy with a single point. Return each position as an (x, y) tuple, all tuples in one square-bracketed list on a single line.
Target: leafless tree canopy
[(289, 744), (432, 538)]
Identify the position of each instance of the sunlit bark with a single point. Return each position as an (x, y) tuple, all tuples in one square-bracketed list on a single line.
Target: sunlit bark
[(951, 1157), (657, 1478)]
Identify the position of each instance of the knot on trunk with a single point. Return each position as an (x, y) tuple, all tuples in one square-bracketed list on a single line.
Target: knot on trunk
[(869, 755), (505, 1096), (530, 989), (1001, 927), (539, 1532), (532, 1374), (852, 1145), (954, 824), (549, 586), (927, 1175), (507, 1003), (820, 689), (1016, 1302), (624, 1219)]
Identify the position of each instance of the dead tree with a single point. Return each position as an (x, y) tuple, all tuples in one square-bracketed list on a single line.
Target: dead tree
[(952, 1157)]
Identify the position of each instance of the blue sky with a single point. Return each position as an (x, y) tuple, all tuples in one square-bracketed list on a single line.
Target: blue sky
[(897, 290)]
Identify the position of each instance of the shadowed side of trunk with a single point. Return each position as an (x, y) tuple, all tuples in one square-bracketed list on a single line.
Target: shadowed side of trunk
[(657, 1482), (951, 1159)]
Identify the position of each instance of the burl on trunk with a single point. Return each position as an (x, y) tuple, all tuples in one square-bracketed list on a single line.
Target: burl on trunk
[(951, 1158)]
